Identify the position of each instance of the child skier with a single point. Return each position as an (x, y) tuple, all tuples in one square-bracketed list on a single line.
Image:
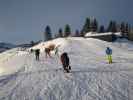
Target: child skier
[(109, 54), (65, 62)]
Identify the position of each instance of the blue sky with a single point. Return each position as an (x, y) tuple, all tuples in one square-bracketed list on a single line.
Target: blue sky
[(25, 20)]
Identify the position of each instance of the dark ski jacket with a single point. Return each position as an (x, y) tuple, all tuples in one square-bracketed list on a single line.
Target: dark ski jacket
[(37, 51), (64, 59)]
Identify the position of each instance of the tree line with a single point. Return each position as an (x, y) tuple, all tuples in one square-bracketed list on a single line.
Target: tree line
[(91, 25)]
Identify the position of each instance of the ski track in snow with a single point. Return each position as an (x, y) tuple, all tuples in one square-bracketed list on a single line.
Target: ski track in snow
[(45, 79)]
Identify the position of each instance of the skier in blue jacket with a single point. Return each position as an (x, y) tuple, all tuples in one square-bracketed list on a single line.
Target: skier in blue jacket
[(109, 54)]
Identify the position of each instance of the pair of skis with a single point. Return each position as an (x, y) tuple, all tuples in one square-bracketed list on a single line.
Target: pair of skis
[(67, 69)]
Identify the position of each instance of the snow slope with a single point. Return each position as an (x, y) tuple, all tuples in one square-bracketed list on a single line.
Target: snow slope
[(124, 44), (92, 78)]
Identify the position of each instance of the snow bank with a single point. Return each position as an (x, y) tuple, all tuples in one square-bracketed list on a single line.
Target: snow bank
[(119, 34), (11, 61), (43, 45), (96, 34), (89, 34), (92, 78)]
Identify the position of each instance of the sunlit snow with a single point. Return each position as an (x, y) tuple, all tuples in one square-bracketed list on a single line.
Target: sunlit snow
[(91, 78)]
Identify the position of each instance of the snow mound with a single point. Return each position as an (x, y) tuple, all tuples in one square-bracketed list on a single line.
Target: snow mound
[(91, 78), (43, 45)]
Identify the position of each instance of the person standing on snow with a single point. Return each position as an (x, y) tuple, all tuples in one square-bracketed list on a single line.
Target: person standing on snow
[(109, 54), (57, 50), (37, 54), (31, 50), (65, 62)]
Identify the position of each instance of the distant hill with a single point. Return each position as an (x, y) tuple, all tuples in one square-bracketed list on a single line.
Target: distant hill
[(6, 46)]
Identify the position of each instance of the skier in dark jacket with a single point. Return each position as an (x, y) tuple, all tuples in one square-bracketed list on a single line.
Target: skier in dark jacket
[(57, 50), (31, 50), (37, 54), (65, 62)]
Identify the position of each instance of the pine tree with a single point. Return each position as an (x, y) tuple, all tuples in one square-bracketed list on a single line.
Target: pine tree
[(32, 43), (77, 34), (81, 33), (109, 29), (112, 27), (127, 28), (94, 25), (47, 33), (55, 36), (130, 34), (118, 27), (101, 30), (67, 31), (122, 27), (86, 27), (60, 33)]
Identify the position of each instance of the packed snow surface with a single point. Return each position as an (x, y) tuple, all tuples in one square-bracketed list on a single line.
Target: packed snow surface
[(91, 78)]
